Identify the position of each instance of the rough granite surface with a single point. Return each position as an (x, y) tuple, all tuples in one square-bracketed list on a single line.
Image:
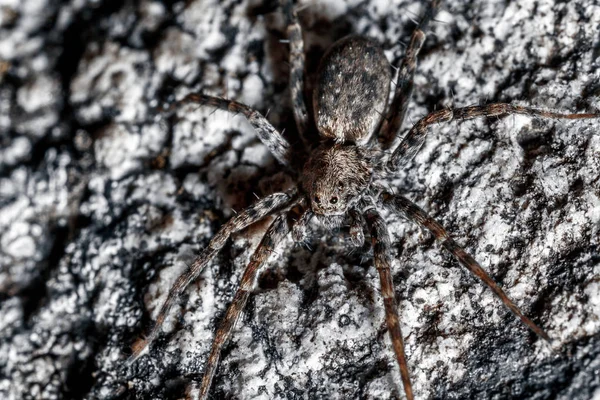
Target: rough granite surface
[(104, 200)]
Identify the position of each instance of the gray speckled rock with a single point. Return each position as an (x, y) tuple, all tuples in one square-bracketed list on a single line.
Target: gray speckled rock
[(103, 202)]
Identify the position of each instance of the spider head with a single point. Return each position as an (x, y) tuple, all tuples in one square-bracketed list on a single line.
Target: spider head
[(334, 177)]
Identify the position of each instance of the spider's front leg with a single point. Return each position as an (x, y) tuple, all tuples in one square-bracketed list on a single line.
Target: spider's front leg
[(381, 251), (250, 215), (417, 215), (404, 84), (414, 139), (275, 234), (268, 135)]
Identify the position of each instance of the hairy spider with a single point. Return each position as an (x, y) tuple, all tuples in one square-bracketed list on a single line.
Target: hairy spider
[(340, 175)]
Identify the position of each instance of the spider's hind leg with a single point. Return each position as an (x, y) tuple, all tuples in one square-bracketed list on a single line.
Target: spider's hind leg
[(404, 84), (275, 234), (381, 251), (250, 215), (417, 215)]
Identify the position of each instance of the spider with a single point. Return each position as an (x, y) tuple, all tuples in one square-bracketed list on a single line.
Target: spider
[(340, 176)]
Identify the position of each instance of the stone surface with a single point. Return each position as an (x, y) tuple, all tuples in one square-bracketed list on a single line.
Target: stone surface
[(104, 200)]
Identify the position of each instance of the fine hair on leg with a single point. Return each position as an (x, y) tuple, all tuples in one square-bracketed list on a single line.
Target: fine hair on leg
[(417, 215), (414, 139), (268, 135), (382, 254), (275, 234)]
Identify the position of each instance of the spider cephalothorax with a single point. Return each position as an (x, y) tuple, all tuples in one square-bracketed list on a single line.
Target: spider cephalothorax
[(334, 177), (338, 181)]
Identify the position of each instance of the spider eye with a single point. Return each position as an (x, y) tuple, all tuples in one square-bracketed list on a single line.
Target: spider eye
[(333, 200), (317, 199), (341, 186)]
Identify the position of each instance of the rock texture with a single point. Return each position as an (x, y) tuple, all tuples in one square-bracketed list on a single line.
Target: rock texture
[(104, 200)]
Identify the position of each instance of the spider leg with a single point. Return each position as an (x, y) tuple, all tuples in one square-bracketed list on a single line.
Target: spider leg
[(417, 215), (381, 250), (415, 138), (250, 215), (357, 221), (275, 142), (404, 84), (294, 32), (275, 234)]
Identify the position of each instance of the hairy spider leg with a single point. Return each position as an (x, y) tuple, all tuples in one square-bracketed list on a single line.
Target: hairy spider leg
[(381, 251), (417, 215), (297, 71), (275, 234), (414, 139), (392, 123), (250, 215), (275, 142)]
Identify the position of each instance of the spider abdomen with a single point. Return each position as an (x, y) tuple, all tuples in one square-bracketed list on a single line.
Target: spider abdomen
[(352, 90)]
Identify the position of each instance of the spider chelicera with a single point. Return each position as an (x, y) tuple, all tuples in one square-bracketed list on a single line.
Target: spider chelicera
[(338, 175)]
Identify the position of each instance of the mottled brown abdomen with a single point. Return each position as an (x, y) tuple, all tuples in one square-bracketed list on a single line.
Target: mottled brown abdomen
[(352, 90)]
